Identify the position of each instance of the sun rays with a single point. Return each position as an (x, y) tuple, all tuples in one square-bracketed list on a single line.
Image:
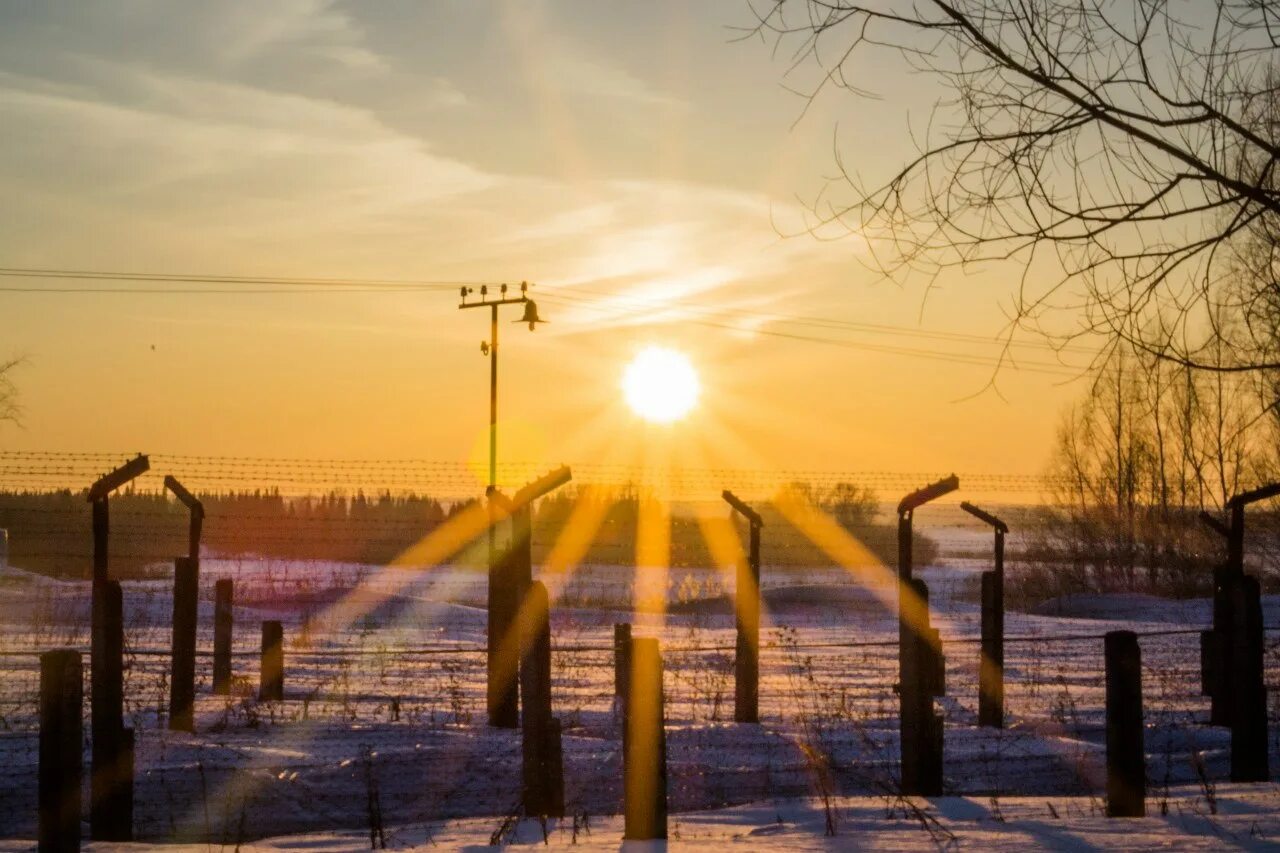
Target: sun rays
[(671, 493), (657, 491)]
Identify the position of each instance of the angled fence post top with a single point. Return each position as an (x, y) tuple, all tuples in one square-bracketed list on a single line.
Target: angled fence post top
[(1259, 494), (529, 492), (984, 516), (741, 506), (130, 470), (930, 492), (1237, 503), (180, 492), (545, 484)]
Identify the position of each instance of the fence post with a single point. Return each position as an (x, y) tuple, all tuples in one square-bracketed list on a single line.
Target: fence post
[(222, 623), (1214, 654), (1248, 693), (538, 756), (746, 693), (102, 721), (922, 677), (504, 603), (1126, 754), (746, 599), (182, 678), (991, 661), (645, 746), (271, 673), (61, 739), (621, 658), (991, 655), (111, 787), (1222, 648), (101, 536), (510, 575), (920, 661)]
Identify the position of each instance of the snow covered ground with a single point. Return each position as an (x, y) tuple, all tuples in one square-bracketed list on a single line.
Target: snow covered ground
[(1241, 817), (385, 703)]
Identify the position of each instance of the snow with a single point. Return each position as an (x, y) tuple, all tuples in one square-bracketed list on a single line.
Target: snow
[(1245, 818), (385, 692)]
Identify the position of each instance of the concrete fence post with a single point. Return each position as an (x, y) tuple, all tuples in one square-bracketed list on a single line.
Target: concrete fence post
[(61, 767), (991, 660), (1126, 754), (111, 780), (271, 673), (539, 757), (223, 592), (182, 677), (645, 746), (922, 667), (746, 693), (503, 686), (1214, 653), (1248, 692)]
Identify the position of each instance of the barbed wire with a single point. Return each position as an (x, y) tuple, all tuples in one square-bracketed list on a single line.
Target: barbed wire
[(965, 640)]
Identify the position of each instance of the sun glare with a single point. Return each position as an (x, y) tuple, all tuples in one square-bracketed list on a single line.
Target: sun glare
[(660, 385)]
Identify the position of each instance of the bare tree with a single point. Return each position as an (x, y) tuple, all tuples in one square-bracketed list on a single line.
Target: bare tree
[(1149, 446), (8, 391), (1124, 151)]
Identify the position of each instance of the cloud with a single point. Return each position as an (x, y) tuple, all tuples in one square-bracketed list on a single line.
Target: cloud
[(653, 252), (558, 65), (573, 72), (168, 155), (157, 138)]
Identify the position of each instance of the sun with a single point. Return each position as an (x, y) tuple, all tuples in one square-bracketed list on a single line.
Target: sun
[(660, 385)]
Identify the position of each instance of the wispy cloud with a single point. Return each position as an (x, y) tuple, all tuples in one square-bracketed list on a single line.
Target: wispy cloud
[(316, 183)]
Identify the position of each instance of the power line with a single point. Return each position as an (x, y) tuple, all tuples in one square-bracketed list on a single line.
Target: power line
[(205, 291), (285, 284), (591, 299), (804, 320), (1061, 370)]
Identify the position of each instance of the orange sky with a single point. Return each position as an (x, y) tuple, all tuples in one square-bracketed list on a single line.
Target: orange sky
[(636, 164)]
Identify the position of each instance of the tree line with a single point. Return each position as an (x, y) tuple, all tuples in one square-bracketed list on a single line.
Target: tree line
[(1150, 446), (50, 531)]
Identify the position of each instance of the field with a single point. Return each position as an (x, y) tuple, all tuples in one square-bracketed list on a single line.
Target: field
[(382, 729)]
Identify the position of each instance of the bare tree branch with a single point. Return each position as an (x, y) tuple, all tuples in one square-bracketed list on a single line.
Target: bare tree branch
[(1135, 140)]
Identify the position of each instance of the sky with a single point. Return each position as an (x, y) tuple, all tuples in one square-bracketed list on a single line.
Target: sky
[(644, 165)]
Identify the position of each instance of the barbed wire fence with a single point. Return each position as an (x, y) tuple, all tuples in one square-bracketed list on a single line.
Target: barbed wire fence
[(394, 701)]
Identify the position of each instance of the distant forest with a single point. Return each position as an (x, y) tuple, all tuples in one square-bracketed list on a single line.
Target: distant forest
[(50, 532)]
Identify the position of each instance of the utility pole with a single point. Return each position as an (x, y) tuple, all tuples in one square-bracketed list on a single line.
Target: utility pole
[(490, 348)]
